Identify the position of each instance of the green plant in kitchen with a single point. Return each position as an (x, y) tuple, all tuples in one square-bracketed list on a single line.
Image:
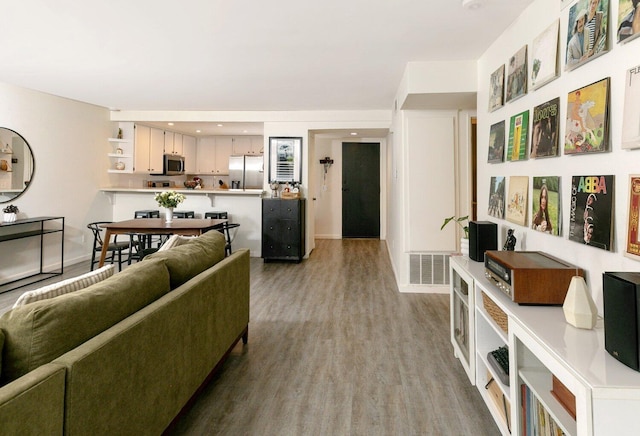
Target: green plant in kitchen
[(169, 199), (462, 221), (11, 209)]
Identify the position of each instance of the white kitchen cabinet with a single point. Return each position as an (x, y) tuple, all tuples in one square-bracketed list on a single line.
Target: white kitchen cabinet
[(247, 145), (223, 149), (173, 143), (148, 149), (542, 345), (189, 153), (206, 155)]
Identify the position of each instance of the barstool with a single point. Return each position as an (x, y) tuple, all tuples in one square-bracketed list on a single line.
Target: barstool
[(217, 215), (183, 214)]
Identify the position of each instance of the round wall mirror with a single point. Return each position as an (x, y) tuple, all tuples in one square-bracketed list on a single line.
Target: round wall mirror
[(16, 165)]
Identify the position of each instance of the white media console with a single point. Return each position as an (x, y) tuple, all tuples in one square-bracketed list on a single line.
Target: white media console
[(542, 346)]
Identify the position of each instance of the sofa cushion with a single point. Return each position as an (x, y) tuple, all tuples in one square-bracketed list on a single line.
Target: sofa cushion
[(1, 345), (190, 259), (66, 286), (39, 332), (175, 241)]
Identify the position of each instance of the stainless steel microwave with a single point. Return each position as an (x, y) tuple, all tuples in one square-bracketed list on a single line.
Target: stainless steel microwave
[(173, 165)]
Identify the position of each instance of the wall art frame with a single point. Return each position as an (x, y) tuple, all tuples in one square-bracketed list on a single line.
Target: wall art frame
[(285, 159)]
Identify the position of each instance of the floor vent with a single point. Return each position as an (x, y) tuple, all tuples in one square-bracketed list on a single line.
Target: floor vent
[(429, 269)]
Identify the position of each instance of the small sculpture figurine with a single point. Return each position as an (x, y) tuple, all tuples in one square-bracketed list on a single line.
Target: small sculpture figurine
[(510, 243)]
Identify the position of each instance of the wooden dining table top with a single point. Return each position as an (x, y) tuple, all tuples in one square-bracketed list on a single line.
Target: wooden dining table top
[(179, 226)]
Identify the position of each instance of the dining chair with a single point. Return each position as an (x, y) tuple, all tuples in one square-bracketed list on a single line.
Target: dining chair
[(114, 248), (228, 235)]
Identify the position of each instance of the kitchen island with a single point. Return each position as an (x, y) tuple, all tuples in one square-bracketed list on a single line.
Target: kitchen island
[(243, 206)]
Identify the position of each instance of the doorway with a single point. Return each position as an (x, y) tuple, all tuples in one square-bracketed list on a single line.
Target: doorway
[(361, 190)]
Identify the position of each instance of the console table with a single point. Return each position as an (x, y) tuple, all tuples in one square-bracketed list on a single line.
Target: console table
[(29, 228), (543, 350)]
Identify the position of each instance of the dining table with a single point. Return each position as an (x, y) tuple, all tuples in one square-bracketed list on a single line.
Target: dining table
[(158, 226)]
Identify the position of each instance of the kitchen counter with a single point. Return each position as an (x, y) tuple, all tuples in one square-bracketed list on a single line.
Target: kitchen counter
[(250, 192)]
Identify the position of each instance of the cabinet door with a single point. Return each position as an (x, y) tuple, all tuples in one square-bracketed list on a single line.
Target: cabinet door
[(206, 155), (189, 153), (156, 151), (257, 145), (168, 142), (141, 146), (178, 147), (224, 148), (241, 145)]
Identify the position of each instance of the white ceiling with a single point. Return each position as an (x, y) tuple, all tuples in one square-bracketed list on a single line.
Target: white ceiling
[(237, 55)]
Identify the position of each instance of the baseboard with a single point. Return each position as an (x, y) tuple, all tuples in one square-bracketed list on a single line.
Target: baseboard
[(328, 236)]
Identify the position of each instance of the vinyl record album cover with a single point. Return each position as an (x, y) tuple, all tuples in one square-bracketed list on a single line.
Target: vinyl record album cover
[(633, 235), (587, 128), (631, 113), (586, 32), (628, 20), (544, 136), (496, 89), (545, 199), (517, 75), (517, 202), (591, 211), (544, 56), (496, 143), (518, 132), (496, 197)]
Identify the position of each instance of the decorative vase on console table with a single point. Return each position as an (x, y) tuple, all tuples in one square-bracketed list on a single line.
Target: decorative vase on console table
[(10, 213), (464, 246)]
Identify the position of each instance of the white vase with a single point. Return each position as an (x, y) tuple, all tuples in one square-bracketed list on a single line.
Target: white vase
[(168, 216), (464, 246), (10, 217), (579, 308)]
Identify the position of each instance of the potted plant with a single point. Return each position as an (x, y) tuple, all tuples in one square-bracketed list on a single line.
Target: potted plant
[(463, 222), (10, 213), (169, 200)]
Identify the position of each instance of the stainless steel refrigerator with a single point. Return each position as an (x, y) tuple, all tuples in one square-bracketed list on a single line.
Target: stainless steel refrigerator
[(246, 171)]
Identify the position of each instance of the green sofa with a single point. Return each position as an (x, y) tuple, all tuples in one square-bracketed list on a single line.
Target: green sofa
[(125, 355)]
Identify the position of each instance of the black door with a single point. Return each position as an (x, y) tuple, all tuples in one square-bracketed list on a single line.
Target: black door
[(360, 190)]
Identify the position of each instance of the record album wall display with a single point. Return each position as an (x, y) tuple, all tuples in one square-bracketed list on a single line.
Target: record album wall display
[(496, 197), (628, 20), (631, 114), (518, 131), (517, 75), (564, 3), (545, 199), (544, 130), (591, 212), (496, 89), (587, 128), (544, 56), (587, 32), (496, 143), (517, 203), (633, 235)]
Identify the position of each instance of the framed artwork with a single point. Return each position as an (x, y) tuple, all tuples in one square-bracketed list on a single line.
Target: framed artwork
[(518, 131), (285, 160), (517, 203), (587, 128), (564, 3), (496, 143), (544, 136), (633, 237), (496, 197), (631, 114), (627, 20), (544, 56), (496, 89), (591, 213), (546, 205), (587, 32), (517, 75)]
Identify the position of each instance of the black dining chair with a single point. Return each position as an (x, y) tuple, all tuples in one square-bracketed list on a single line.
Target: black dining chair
[(228, 235), (114, 248)]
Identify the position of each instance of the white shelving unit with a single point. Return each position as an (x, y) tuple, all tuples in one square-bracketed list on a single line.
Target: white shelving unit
[(542, 346), (121, 152), (462, 315)]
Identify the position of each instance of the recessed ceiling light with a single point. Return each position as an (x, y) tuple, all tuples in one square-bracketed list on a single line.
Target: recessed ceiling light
[(244, 131), (198, 131), (219, 125), (171, 124), (354, 134)]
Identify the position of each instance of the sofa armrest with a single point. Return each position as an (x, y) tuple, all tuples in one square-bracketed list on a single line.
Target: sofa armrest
[(34, 403)]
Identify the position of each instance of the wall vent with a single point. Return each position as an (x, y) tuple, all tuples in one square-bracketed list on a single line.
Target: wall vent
[(429, 268)]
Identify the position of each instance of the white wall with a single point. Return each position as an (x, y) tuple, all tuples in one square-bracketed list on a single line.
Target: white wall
[(618, 162), (69, 143)]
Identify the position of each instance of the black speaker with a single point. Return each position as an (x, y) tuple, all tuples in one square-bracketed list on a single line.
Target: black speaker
[(483, 236), (621, 293)]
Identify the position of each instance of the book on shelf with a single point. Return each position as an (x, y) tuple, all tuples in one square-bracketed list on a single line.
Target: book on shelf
[(536, 420)]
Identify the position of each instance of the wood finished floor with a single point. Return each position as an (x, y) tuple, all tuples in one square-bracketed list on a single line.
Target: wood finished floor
[(335, 349)]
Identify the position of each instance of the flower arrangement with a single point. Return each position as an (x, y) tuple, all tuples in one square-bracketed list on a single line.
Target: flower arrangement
[(169, 198), (11, 209)]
